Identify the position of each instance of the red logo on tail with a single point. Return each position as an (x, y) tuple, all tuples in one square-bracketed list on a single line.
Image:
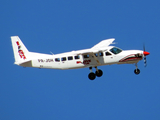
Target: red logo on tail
[(21, 53)]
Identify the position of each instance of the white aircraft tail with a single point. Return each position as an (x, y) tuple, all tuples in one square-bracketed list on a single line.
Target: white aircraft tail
[(21, 54)]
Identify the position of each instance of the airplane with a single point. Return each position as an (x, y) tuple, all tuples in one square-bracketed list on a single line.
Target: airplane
[(99, 55)]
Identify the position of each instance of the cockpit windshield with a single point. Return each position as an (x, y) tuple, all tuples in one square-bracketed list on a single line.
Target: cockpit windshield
[(115, 50)]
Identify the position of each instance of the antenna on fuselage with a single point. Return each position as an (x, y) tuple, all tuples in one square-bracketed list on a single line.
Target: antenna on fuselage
[(51, 53), (115, 43)]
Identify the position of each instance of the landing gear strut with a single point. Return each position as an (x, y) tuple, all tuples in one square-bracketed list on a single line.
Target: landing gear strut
[(136, 71), (92, 75), (99, 72)]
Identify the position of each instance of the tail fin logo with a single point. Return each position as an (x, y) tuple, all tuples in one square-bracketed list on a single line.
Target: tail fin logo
[(21, 53)]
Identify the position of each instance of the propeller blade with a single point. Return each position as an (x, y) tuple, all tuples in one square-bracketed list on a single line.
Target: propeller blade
[(145, 62), (144, 48), (145, 53)]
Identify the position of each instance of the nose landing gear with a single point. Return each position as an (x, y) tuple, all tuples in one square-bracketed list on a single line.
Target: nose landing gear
[(136, 71), (92, 75)]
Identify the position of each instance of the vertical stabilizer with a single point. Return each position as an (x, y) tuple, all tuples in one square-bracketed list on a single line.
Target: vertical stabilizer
[(20, 51)]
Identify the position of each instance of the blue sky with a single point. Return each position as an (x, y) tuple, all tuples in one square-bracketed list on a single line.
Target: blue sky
[(61, 26)]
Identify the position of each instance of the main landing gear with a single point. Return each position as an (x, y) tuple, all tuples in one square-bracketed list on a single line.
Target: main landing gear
[(136, 71), (92, 75)]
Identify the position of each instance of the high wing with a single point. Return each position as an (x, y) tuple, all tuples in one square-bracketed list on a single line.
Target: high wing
[(97, 48), (103, 44)]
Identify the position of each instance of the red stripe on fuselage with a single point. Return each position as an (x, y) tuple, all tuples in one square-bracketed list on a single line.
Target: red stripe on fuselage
[(130, 58)]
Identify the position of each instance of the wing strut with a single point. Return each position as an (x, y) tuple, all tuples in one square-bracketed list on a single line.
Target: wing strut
[(95, 58)]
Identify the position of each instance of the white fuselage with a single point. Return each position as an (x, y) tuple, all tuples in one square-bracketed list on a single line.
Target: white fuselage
[(70, 60), (100, 54)]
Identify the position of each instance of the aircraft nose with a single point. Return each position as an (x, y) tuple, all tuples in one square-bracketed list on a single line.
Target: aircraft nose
[(146, 53)]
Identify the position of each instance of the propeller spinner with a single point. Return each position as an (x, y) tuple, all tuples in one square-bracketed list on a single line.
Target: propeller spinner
[(145, 53)]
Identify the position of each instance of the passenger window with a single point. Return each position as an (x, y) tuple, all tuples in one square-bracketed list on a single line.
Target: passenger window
[(57, 59), (96, 54), (63, 59), (101, 54), (76, 57), (107, 53), (86, 56), (70, 58)]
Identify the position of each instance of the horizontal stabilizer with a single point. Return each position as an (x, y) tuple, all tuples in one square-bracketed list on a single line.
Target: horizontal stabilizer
[(22, 62)]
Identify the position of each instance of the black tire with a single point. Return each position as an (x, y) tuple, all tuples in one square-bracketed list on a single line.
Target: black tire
[(136, 71), (91, 76), (99, 73)]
